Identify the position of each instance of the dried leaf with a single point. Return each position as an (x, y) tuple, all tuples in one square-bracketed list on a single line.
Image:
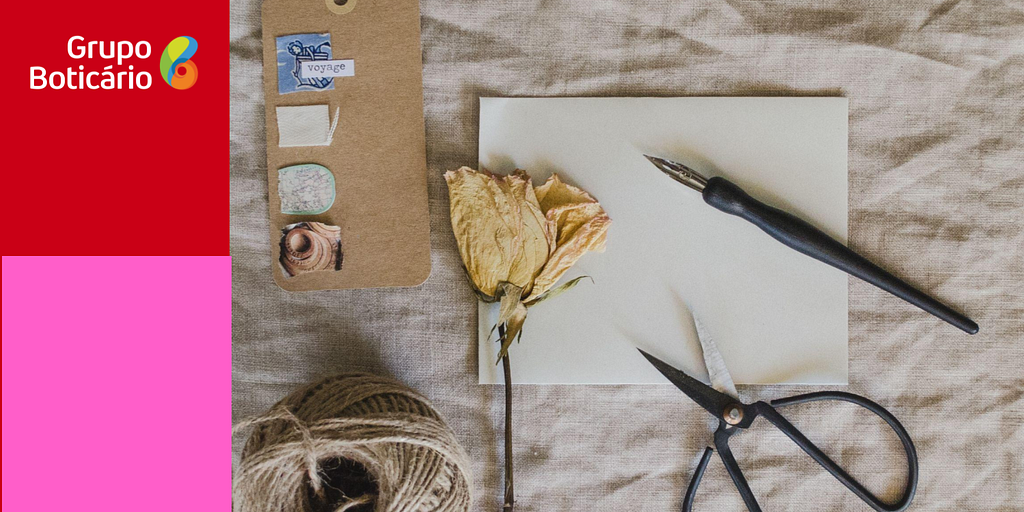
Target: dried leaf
[(513, 329), (558, 290), (510, 296)]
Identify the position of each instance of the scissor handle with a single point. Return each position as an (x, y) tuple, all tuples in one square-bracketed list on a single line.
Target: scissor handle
[(722, 436), (724, 432), (769, 413), (698, 473)]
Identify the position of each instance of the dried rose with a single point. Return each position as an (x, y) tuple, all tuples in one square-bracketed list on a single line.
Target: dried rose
[(517, 242)]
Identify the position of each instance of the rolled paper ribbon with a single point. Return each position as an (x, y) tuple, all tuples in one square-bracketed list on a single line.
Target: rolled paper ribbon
[(310, 247)]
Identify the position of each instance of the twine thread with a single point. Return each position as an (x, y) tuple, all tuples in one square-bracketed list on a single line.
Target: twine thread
[(393, 432)]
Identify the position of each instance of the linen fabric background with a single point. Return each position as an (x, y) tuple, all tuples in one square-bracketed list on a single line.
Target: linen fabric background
[(936, 161)]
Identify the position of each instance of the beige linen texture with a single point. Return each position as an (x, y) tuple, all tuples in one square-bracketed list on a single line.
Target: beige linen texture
[(936, 162)]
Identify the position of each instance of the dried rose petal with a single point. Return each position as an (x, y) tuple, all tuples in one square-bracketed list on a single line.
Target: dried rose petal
[(499, 228), (578, 224)]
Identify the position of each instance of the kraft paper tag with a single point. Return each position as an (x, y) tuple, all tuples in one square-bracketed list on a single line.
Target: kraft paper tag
[(377, 155)]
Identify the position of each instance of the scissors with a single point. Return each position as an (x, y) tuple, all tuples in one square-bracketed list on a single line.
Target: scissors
[(721, 401)]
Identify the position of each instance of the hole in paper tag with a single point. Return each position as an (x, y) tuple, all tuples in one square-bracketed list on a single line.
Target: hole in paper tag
[(306, 125), (341, 6)]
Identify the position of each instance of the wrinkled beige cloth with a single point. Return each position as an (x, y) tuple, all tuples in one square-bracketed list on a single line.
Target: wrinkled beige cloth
[(936, 93)]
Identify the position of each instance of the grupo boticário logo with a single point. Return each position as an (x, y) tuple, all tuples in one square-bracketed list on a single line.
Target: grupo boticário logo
[(175, 65)]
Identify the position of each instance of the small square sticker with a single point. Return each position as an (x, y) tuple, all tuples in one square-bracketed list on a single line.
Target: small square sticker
[(292, 52)]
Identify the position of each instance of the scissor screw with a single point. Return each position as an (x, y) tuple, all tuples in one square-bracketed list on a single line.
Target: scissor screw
[(733, 415)]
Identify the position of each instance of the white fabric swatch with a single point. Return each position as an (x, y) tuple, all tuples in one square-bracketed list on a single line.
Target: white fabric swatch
[(305, 125)]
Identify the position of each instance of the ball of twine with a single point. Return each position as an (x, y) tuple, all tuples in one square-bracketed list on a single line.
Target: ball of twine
[(353, 442)]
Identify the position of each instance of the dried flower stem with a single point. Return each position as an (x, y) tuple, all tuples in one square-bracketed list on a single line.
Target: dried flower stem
[(510, 499), (513, 239)]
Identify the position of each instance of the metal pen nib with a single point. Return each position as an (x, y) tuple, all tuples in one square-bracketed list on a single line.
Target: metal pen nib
[(680, 173)]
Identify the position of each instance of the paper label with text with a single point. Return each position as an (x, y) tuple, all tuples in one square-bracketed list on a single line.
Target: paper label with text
[(328, 68)]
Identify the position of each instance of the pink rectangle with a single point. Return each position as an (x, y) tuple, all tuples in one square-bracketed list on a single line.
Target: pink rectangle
[(116, 383)]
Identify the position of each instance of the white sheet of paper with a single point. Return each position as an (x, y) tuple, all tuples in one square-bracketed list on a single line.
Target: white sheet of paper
[(777, 316)]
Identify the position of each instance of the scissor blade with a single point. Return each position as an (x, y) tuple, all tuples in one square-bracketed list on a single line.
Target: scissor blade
[(721, 380), (712, 401)]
